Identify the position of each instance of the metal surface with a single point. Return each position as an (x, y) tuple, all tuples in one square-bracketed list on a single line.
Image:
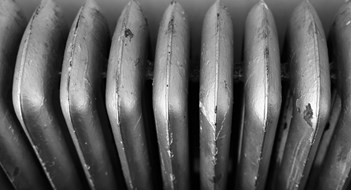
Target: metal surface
[(337, 162), (280, 139), (325, 141), (216, 97), (5, 184), (262, 92), (124, 91), (169, 120), (16, 156), (310, 85), (170, 94), (82, 98), (36, 96)]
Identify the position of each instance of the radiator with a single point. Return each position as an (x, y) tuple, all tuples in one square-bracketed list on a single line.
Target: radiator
[(85, 108)]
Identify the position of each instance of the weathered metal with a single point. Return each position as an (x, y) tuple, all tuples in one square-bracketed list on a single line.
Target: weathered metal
[(81, 96), (16, 155), (216, 97), (36, 96), (310, 86), (262, 93), (170, 95), (124, 92), (336, 166)]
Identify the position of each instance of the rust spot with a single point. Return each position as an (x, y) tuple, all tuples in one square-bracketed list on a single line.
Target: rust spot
[(170, 28), (266, 52), (128, 33), (308, 114)]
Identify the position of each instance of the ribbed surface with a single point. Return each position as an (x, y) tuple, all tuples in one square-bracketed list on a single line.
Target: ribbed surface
[(92, 110)]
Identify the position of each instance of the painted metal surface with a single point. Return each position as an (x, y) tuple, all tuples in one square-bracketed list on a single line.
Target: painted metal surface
[(36, 97), (124, 91), (16, 155), (262, 91), (81, 96), (337, 162), (170, 95), (216, 97), (310, 85)]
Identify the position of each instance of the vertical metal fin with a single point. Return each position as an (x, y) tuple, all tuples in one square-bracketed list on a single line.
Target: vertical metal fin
[(124, 91), (170, 91), (336, 167), (310, 85), (262, 93), (16, 158), (325, 141), (36, 96), (80, 94), (216, 97)]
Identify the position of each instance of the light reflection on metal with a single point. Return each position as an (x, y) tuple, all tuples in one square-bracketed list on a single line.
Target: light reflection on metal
[(216, 97), (36, 96), (81, 95), (336, 167), (124, 91), (310, 85), (170, 92), (262, 91)]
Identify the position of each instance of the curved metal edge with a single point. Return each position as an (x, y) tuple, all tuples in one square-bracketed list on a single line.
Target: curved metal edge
[(125, 83), (336, 166), (80, 93), (170, 89), (325, 141), (35, 97), (262, 93), (310, 84), (216, 97), (17, 159)]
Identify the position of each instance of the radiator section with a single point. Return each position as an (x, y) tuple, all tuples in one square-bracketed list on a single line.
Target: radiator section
[(88, 108)]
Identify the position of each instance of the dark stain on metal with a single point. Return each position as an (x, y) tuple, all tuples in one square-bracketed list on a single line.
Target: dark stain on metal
[(128, 34), (170, 28), (308, 114), (327, 126), (266, 52)]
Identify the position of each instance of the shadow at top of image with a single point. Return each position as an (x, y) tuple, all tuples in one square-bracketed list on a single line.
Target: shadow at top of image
[(196, 9)]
